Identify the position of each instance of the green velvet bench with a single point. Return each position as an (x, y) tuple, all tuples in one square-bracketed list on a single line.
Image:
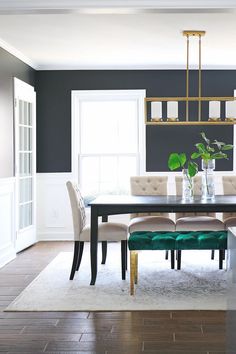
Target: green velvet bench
[(173, 241)]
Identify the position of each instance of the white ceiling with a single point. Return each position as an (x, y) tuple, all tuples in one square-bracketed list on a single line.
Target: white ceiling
[(120, 41)]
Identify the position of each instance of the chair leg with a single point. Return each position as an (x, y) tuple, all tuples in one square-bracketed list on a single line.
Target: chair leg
[(75, 259), (123, 258), (178, 259), (172, 253), (212, 254), (221, 257), (126, 255), (166, 255), (224, 255), (132, 271), (136, 269), (81, 248), (104, 251)]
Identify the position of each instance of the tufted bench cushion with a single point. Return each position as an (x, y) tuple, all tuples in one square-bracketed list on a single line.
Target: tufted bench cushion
[(148, 240), (184, 240)]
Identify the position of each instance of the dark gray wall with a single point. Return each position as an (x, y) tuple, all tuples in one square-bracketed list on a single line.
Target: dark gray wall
[(54, 111), (10, 67)]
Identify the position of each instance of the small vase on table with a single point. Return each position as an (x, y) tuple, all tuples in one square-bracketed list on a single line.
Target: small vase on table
[(208, 185), (187, 186)]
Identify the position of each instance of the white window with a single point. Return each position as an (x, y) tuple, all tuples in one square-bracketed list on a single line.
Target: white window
[(107, 139)]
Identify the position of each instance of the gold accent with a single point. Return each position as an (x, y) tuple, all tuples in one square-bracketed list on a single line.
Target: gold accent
[(214, 119), (194, 33), (187, 99), (156, 119), (172, 119), (165, 99), (136, 268), (187, 81), (229, 121), (200, 79), (132, 270)]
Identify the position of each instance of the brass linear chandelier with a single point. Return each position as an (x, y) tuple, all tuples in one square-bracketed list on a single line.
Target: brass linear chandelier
[(153, 105)]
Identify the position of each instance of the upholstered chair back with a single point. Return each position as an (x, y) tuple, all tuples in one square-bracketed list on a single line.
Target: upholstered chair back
[(197, 191), (229, 188), (77, 208), (148, 185)]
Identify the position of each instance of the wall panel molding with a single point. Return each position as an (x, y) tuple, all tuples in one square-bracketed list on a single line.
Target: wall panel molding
[(7, 220), (54, 221)]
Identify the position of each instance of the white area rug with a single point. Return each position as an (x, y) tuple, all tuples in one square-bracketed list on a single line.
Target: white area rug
[(200, 285)]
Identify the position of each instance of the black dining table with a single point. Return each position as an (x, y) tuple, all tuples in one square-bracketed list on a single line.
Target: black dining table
[(103, 206)]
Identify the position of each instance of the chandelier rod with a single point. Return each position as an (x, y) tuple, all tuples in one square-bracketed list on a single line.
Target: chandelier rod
[(200, 79), (187, 81)]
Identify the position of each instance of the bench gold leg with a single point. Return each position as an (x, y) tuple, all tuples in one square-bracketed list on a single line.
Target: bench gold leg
[(136, 268), (132, 270)]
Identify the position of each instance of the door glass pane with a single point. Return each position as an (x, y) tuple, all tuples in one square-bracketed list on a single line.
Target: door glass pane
[(30, 111), (25, 164), (21, 112), (25, 190), (25, 113), (25, 215)]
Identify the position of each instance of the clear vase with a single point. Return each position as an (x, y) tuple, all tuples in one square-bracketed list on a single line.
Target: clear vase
[(208, 185), (187, 186)]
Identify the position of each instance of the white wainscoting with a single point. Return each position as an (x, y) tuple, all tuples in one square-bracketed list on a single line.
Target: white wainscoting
[(7, 220), (54, 220)]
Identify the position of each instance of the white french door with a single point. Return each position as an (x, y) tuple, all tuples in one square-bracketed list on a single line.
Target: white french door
[(25, 163)]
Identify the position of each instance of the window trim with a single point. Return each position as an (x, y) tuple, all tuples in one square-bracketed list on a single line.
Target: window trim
[(77, 96)]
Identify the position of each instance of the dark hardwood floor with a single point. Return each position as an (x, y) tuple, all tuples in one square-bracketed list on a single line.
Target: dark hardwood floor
[(164, 332)]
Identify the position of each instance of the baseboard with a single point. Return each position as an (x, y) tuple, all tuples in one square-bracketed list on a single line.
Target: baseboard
[(7, 254), (55, 236)]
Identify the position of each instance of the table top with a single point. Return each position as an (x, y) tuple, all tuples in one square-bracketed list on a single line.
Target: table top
[(221, 200)]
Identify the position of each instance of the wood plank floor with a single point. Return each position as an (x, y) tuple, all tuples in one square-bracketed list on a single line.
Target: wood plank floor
[(163, 332)]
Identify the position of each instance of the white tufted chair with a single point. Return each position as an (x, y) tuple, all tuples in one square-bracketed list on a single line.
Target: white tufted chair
[(107, 231), (152, 185), (195, 221), (229, 188)]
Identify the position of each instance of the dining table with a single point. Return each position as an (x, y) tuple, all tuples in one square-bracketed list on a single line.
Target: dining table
[(104, 206)]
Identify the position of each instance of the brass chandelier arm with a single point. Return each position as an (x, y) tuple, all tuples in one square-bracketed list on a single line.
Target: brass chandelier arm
[(192, 123), (164, 99), (200, 79), (187, 81), (172, 117)]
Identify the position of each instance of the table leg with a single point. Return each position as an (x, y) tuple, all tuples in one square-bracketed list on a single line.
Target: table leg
[(94, 244)]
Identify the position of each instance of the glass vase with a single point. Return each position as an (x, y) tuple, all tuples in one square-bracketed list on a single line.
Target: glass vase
[(208, 185), (187, 186)]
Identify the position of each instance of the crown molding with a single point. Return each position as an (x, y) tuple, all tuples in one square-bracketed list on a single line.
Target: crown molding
[(131, 67), (10, 49), (19, 55)]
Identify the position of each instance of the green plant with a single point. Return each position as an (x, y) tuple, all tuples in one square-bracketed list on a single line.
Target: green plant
[(177, 160), (211, 150)]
